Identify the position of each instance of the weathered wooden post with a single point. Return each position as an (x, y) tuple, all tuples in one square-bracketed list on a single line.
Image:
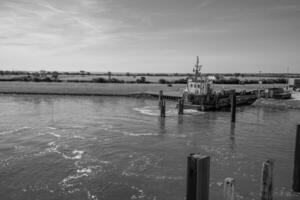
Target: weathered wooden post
[(233, 105), (228, 192), (162, 108), (197, 177), (180, 106), (296, 177), (267, 180), (160, 97)]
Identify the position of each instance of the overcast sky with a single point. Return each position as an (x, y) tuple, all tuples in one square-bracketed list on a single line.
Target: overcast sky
[(150, 35)]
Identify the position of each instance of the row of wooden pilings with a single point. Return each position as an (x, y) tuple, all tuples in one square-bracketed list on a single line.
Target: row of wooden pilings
[(198, 170), (162, 105)]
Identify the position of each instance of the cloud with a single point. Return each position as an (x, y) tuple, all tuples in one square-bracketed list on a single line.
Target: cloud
[(95, 31), (44, 25)]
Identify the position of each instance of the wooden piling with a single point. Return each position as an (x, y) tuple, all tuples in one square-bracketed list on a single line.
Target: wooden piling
[(296, 176), (162, 108), (197, 177), (228, 192), (180, 106), (160, 97), (233, 106), (267, 180)]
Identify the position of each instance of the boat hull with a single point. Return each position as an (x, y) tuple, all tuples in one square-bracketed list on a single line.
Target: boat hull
[(215, 102)]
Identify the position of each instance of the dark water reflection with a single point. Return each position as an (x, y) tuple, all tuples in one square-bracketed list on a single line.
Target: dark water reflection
[(119, 148)]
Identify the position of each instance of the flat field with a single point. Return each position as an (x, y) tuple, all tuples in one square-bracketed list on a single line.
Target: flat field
[(106, 88)]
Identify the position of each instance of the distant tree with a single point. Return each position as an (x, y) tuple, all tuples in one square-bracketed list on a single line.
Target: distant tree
[(143, 79), (162, 81), (237, 74), (180, 81), (82, 73), (47, 79), (43, 73), (100, 80), (55, 75), (127, 74), (109, 75), (36, 74)]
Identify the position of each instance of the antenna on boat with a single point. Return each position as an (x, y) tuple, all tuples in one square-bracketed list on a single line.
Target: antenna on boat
[(197, 69)]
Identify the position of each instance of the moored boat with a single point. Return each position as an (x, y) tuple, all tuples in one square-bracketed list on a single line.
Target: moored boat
[(200, 95)]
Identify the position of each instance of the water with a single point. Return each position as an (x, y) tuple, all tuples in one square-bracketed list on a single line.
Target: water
[(60, 147)]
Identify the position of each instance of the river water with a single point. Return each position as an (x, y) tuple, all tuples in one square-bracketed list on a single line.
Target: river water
[(61, 147)]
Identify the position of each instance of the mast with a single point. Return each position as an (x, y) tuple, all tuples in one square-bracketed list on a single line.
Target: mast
[(197, 69)]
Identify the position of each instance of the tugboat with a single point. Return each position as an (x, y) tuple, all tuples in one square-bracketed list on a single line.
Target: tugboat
[(200, 95)]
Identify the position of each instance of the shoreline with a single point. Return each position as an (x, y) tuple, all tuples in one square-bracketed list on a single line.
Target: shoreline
[(129, 90)]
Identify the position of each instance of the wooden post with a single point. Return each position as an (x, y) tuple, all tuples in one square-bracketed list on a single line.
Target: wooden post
[(233, 105), (228, 189), (160, 97), (162, 108), (296, 177), (197, 177), (180, 106), (267, 180)]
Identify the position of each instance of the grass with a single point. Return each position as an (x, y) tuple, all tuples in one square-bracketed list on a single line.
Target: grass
[(106, 88), (83, 88)]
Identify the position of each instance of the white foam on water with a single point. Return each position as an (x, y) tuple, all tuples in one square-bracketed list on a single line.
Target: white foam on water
[(5, 132), (51, 143), (193, 112), (78, 155), (54, 134), (104, 162), (84, 170), (91, 196), (140, 193), (79, 137), (148, 110), (52, 128), (19, 147), (106, 127), (71, 184), (165, 177), (65, 181), (149, 176), (14, 130), (52, 147), (139, 134), (21, 128)]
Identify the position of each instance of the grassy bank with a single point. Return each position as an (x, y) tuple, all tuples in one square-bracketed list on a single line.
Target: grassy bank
[(82, 88), (106, 88)]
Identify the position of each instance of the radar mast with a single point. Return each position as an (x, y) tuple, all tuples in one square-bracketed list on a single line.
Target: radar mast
[(197, 69)]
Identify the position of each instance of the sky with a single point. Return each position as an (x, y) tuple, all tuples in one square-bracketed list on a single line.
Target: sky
[(150, 35)]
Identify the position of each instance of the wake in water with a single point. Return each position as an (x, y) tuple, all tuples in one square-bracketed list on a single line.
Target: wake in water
[(17, 130), (171, 112)]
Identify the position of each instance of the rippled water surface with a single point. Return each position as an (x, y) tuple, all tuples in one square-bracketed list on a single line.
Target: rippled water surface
[(56, 147)]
